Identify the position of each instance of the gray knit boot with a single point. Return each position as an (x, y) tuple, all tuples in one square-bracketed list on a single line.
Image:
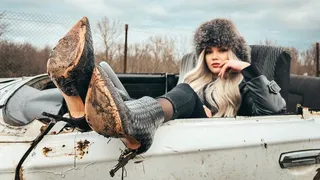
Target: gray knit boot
[(134, 121)]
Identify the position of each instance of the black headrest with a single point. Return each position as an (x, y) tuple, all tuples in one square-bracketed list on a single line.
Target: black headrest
[(274, 63)]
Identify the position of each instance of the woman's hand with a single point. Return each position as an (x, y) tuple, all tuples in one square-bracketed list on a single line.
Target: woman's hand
[(207, 111), (233, 65)]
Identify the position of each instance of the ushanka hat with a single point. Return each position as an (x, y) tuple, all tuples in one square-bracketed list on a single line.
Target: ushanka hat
[(221, 33)]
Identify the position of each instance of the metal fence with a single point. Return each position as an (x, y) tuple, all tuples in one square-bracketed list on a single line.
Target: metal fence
[(27, 39), (36, 29)]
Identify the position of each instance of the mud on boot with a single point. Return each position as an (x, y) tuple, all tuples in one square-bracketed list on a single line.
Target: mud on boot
[(134, 121), (70, 67)]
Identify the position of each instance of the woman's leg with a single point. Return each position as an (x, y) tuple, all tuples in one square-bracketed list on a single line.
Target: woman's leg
[(133, 121), (167, 108), (71, 67), (185, 103)]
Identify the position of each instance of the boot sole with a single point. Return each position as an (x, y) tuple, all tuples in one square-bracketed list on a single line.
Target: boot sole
[(70, 66)]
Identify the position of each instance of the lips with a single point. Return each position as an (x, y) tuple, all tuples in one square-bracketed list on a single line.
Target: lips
[(215, 65)]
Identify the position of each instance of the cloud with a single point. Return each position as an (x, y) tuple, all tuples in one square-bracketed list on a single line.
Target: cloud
[(155, 10), (35, 29), (289, 23)]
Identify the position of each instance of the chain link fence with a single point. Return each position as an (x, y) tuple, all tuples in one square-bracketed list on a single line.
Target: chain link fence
[(36, 29), (27, 39)]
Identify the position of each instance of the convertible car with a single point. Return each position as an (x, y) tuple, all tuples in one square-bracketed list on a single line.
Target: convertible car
[(36, 145), (284, 146)]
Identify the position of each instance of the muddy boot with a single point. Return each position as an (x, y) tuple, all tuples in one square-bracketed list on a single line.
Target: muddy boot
[(70, 67), (134, 121)]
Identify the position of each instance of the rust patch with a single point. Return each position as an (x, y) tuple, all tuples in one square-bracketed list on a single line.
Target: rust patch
[(82, 148), (21, 173), (43, 128), (58, 151), (315, 112), (45, 151), (317, 177)]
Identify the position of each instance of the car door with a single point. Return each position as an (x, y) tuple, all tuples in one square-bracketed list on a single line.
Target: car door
[(266, 147)]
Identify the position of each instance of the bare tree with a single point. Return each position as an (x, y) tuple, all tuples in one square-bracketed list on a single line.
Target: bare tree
[(3, 25), (180, 47), (296, 66), (309, 60), (22, 59), (162, 50), (139, 58), (268, 42), (153, 56), (109, 32)]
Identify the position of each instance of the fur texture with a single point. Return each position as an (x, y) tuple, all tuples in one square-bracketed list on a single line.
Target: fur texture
[(221, 32)]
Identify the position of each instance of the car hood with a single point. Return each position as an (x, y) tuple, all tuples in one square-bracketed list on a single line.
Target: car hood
[(9, 133), (9, 85)]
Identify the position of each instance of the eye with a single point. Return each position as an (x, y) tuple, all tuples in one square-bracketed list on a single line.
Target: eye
[(223, 49), (208, 51)]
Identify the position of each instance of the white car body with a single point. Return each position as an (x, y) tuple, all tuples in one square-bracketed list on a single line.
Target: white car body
[(213, 148)]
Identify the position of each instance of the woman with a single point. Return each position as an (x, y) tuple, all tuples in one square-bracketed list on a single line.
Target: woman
[(224, 78), (223, 84)]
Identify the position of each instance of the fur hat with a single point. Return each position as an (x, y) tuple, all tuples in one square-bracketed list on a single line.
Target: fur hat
[(221, 32)]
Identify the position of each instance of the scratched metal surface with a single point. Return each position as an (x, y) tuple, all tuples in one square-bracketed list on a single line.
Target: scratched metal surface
[(242, 148)]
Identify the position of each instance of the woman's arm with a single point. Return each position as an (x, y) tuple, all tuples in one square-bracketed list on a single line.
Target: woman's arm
[(259, 95)]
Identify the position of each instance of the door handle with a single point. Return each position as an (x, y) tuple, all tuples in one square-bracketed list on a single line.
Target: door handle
[(299, 158)]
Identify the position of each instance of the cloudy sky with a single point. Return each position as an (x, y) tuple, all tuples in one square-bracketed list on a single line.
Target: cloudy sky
[(287, 22)]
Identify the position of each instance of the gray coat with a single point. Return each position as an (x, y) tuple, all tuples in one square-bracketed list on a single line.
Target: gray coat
[(259, 95)]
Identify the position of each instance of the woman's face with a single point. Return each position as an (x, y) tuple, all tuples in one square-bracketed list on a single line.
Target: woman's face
[(214, 56)]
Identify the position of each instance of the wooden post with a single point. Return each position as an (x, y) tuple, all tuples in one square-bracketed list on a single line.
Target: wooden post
[(125, 48), (317, 60)]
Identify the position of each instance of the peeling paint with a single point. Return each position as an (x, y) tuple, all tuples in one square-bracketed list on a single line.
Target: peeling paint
[(264, 144), (44, 127), (11, 131), (45, 151), (82, 148), (56, 151)]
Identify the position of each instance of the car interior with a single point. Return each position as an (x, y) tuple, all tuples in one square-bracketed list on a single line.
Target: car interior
[(40, 94)]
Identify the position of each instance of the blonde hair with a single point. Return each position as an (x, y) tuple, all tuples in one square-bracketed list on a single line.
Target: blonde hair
[(223, 94)]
